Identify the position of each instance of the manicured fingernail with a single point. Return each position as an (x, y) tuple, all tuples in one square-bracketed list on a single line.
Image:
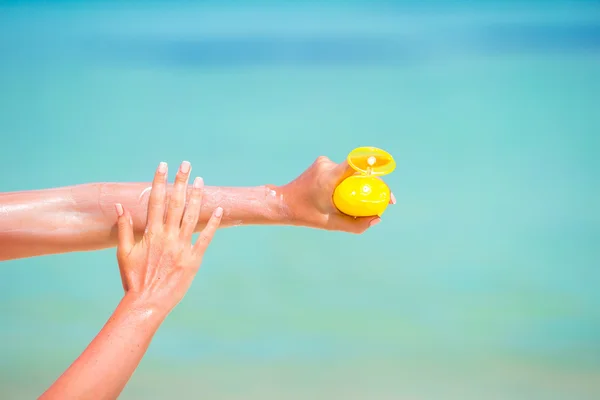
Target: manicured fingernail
[(185, 167), (119, 208), (198, 183), (218, 212), (393, 198), (162, 167), (375, 222)]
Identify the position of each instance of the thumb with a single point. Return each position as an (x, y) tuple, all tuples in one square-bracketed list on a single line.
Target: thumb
[(342, 171), (126, 239)]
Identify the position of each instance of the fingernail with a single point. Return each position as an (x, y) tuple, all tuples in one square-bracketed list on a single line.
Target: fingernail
[(375, 222), (162, 167), (198, 183), (393, 198), (185, 167), (119, 208), (218, 212)]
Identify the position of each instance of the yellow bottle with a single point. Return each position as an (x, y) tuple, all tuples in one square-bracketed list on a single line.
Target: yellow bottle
[(364, 194)]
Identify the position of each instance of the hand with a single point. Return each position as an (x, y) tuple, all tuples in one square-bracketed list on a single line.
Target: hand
[(310, 198), (160, 268)]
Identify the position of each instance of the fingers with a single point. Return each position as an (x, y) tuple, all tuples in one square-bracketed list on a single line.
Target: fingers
[(340, 222), (156, 204), (177, 201), (208, 232), (126, 239), (192, 212), (392, 198)]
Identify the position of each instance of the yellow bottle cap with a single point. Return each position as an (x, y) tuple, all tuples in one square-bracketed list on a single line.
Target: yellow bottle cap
[(371, 161)]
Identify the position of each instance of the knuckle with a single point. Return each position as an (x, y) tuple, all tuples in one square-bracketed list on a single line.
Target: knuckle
[(156, 203), (171, 236), (152, 235), (149, 235), (204, 239), (176, 202), (190, 218), (322, 160), (194, 202)]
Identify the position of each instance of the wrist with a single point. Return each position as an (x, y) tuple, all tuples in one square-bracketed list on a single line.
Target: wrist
[(279, 207), (294, 203), (146, 307)]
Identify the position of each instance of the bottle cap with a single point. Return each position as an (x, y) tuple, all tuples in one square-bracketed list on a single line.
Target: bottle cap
[(371, 161)]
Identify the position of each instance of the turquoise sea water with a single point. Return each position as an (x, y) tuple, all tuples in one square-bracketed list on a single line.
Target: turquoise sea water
[(487, 279)]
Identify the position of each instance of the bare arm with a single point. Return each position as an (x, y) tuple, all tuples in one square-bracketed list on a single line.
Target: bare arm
[(103, 369), (81, 218), (156, 272)]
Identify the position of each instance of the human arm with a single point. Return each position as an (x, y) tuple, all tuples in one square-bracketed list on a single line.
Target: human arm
[(156, 273), (106, 365), (81, 218)]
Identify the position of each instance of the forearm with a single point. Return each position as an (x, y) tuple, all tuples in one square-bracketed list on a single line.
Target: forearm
[(103, 369), (80, 218)]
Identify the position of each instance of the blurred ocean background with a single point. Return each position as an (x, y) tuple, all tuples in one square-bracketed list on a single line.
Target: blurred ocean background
[(483, 282)]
